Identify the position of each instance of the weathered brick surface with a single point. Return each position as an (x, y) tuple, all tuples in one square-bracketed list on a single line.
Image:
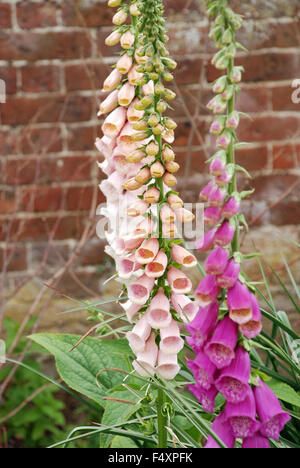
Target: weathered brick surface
[(54, 61)]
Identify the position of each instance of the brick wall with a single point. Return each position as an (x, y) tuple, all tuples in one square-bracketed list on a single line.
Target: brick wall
[(53, 60)]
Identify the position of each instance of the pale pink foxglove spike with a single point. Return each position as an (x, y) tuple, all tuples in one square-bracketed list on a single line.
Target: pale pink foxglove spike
[(126, 94), (183, 257), (184, 216), (168, 366), (147, 251), (107, 167), (169, 230), (125, 138), (112, 81), (124, 64), (170, 339), (105, 145), (127, 266), (127, 40), (114, 122), (112, 187), (139, 335), (142, 59), (131, 309), (140, 290), (148, 88), (113, 39), (130, 243), (185, 308), (134, 76), (159, 311), (134, 115), (178, 281), (157, 268), (137, 209), (109, 104), (169, 136), (175, 201), (145, 361), (144, 228), (167, 215)]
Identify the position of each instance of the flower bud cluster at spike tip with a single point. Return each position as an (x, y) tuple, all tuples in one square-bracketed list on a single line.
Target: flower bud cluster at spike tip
[(140, 165), (229, 312)]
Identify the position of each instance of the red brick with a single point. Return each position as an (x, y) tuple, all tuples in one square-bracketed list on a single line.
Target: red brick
[(187, 39), (87, 14), (186, 8), (252, 159), (86, 76), (41, 140), (270, 188), (256, 99), (9, 75), (69, 108), (264, 67), (40, 46), (286, 156), (286, 212), (81, 138), (38, 199), (36, 15), (275, 9), (39, 79), (188, 71), (196, 159), (47, 170), (282, 98), (8, 202), (282, 35), (92, 253), (262, 129), (5, 16), (13, 259), (81, 198)]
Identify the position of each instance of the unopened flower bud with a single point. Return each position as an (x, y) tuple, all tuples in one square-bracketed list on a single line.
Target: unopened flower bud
[(169, 179), (139, 136), (168, 154), (220, 84), (170, 63), (124, 64), (218, 125), (114, 3), (175, 201), (113, 39), (127, 40), (134, 11), (143, 175), (159, 89), (157, 169), (158, 129), (153, 76), (236, 75), (140, 125), (119, 18), (228, 93), (224, 140), (167, 76), (172, 166), (152, 149), (170, 124), (136, 156), (153, 120), (169, 94), (151, 195), (233, 120), (161, 106), (132, 184)]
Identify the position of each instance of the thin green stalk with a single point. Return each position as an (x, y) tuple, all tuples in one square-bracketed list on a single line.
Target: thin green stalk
[(161, 419)]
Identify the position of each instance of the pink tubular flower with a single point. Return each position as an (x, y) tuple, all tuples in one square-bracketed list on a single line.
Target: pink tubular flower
[(139, 291), (239, 303), (145, 361), (202, 326), (134, 115), (183, 257), (159, 311), (224, 234), (134, 76), (167, 215), (212, 215), (217, 261), (220, 428), (233, 380), (230, 208), (171, 342), (105, 145), (272, 416), (204, 194), (147, 251), (184, 307), (241, 417), (144, 228), (126, 266), (157, 267), (220, 348), (224, 140), (203, 369), (138, 336), (168, 366), (126, 94), (205, 397), (130, 309), (124, 64), (184, 216), (217, 166), (114, 122), (109, 104), (206, 242), (256, 441), (223, 179), (230, 276), (216, 196), (252, 328), (112, 81), (137, 209), (208, 290), (178, 281)]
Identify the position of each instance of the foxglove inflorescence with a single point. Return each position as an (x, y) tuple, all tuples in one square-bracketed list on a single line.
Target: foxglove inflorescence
[(229, 312), (140, 165)]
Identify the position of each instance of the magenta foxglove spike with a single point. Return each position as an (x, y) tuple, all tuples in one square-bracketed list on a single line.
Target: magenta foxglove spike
[(206, 242), (220, 427), (217, 261), (220, 348), (230, 275), (242, 417), (205, 397), (239, 303), (207, 291), (252, 328), (202, 325), (203, 369), (224, 234)]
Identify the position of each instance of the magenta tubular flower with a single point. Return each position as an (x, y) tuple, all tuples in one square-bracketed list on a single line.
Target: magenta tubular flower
[(220, 348), (224, 140), (272, 416), (256, 441), (230, 275), (202, 325), (206, 242), (207, 291), (252, 328), (217, 166), (220, 427), (203, 369), (204, 194), (230, 208), (216, 197), (217, 261), (223, 179), (233, 380), (239, 303), (205, 397), (212, 215), (241, 417), (224, 234)]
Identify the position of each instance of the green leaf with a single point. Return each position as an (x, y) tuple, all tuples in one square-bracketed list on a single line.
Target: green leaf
[(80, 367), (284, 392), (117, 412), (122, 442)]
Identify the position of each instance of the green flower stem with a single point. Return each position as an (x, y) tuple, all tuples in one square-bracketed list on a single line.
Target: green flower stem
[(161, 419)]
